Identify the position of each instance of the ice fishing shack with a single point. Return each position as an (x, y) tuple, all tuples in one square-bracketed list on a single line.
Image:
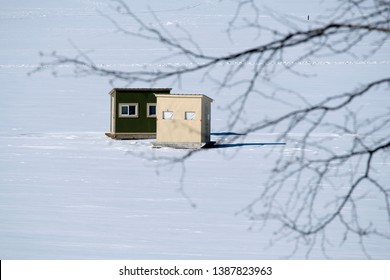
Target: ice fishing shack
[(133, 112), (183, 120)]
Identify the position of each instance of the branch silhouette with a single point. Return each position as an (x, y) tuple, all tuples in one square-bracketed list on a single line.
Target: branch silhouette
[(324, 189)]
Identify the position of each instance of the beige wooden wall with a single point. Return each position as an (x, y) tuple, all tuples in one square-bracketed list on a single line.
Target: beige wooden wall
[(206, 120), (179, 129)]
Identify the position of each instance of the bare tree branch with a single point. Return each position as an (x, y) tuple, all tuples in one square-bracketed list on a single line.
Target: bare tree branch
[(325, 187)]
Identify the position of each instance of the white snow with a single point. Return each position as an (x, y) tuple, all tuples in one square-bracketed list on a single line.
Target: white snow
[(69, 192)]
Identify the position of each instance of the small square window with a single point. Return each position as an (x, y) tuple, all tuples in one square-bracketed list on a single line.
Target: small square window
[(132, 110), (189, 115), (124, 110), (128, 110), (151, 110), (167, 115)]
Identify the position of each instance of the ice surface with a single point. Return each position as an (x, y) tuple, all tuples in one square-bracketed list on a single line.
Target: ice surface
[(69, 192)]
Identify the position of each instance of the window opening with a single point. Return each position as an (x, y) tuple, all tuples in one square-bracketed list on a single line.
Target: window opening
[(189, 115), (167, 115)]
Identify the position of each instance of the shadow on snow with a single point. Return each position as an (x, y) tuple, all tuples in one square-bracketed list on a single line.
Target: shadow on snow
[(232, 145), (226, 133), (216, 145)]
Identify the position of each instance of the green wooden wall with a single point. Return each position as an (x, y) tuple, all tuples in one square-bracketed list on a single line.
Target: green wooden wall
[(141, 124)]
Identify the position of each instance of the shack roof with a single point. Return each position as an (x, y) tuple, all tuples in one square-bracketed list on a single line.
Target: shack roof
[(151, 90), (188, 95)]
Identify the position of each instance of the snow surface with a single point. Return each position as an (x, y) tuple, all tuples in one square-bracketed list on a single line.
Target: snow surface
[(69, 192)]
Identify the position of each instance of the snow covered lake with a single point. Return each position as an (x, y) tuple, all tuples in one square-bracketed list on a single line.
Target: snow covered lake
[(69, 192)]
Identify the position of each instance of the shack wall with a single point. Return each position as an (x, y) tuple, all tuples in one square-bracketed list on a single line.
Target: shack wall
[(178, 129)]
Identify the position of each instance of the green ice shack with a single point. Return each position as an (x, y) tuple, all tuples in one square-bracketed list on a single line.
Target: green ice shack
[(133, 112)]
